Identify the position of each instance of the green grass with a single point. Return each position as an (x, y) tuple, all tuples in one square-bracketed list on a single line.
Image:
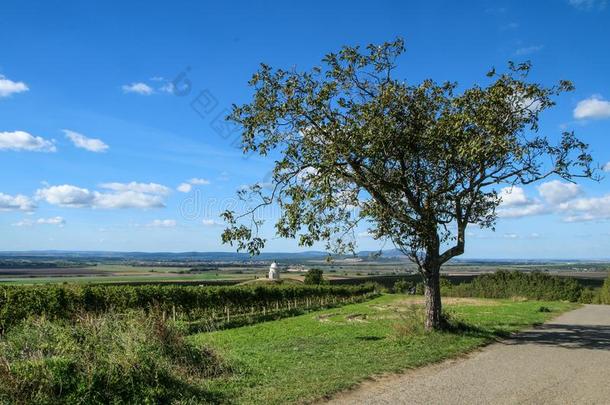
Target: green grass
[(112, 358), (308, 357)]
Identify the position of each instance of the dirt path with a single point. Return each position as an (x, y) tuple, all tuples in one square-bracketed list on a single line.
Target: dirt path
[(566, 361)]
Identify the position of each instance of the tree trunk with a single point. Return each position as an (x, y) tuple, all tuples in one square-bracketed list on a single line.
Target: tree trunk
[(432, 293)]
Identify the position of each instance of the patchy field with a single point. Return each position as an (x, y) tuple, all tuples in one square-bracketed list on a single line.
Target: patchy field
[(110, 273)]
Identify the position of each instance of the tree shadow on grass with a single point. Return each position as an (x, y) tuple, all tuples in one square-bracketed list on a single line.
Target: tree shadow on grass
[(458, 327)]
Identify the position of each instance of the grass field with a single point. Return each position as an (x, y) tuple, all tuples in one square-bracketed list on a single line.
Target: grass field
[(308, 357)]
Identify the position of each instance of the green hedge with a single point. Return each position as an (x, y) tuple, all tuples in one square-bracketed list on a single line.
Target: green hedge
[(507, 284), (182, 302)]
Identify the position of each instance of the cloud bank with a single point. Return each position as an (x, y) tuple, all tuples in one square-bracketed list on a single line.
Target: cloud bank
[(120, 195), (559, 197)]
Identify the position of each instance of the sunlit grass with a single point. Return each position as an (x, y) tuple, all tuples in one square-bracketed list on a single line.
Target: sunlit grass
[(310, 356)]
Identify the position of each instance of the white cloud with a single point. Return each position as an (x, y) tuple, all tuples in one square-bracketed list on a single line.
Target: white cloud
[(128, 199), (594, 107), (123, 195), (158, 84), (187, 186), (167, 88), (16, 203), (535, 208), (151, 188), (606, 167), (59, 221), (515, 204), (9, 87), (513, 235), (199, 181), (307, 174), (211, 222), (184, 187), (162, 223), (81, 141), (66, 196), (586, 209), (138, 88), (513, 196), (51, 221), (556, 192), (163, 85), (21, 140), (529, 104), (528, 50), (559, 197)]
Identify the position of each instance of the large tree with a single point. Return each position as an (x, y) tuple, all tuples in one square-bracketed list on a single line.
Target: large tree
[(417, 163)]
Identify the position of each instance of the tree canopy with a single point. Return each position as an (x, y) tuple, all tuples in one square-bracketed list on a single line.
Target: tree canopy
[(416, 162)]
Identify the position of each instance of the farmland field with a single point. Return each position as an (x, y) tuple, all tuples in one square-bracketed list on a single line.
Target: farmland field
[(385, 271)]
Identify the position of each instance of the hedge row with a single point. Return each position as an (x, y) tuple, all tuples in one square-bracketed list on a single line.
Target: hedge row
[(507, 284), (183, 302)]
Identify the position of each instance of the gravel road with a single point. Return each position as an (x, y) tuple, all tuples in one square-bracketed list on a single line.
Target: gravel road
[(565, 361)]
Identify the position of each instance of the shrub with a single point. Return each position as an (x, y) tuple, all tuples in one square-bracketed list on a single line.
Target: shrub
[(314, 277), (132, 358), (375, 287), (445, 285), (590, 296), (403, 286), (411, 323), (604, 293)]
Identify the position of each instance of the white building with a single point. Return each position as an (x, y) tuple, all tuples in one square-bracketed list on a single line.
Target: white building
[(274, 272)]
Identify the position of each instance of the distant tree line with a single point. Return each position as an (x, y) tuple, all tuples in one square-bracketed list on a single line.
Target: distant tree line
[(507, 284)]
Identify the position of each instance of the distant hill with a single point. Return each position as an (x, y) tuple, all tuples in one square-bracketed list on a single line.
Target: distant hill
[(161, 256), (388, 254)]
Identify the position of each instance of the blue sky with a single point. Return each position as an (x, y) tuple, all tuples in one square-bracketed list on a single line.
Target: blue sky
[(97, 154)]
